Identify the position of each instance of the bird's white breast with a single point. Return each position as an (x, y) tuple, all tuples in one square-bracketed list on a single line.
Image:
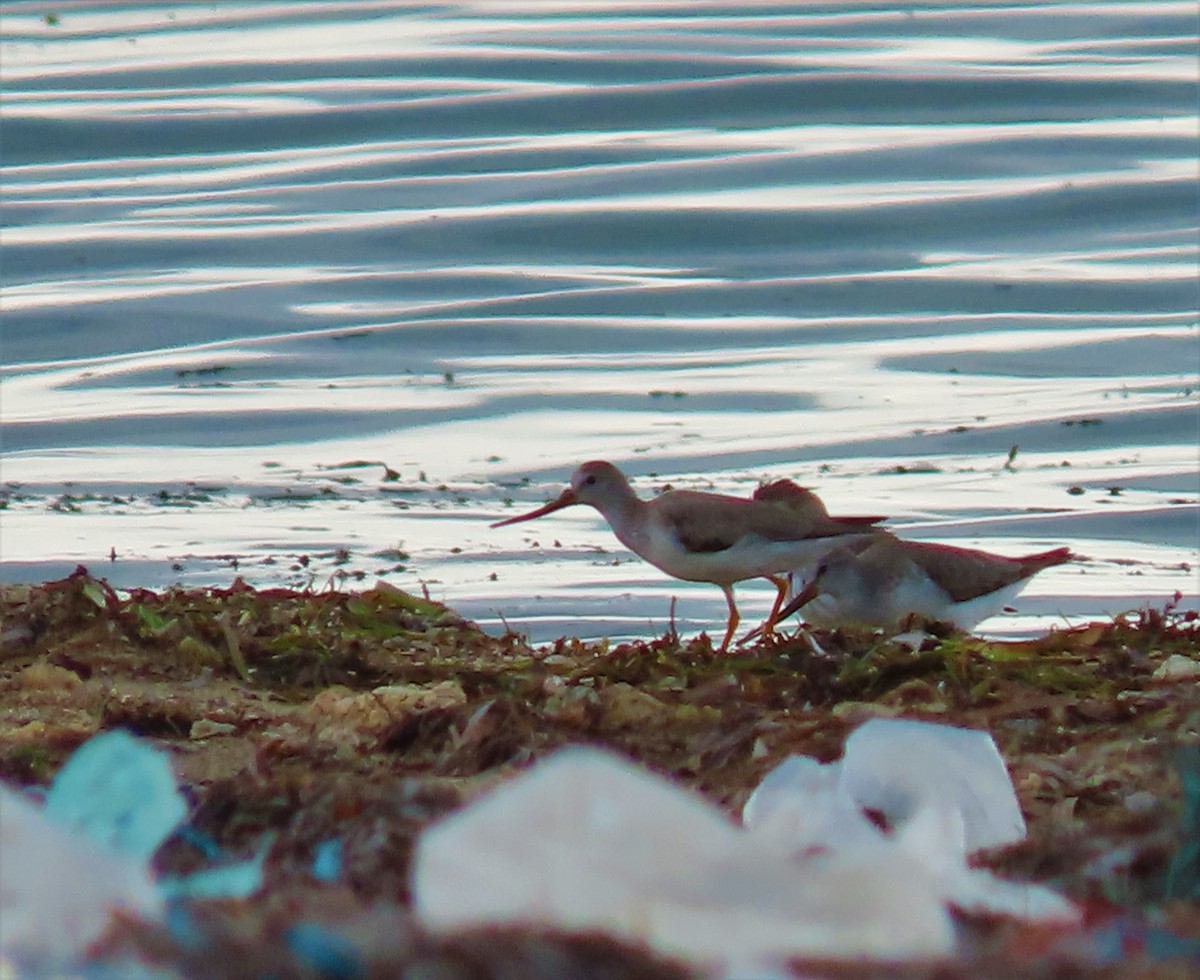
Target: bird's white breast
[(851, 599)]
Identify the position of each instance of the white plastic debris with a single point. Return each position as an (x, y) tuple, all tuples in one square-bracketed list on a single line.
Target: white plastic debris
[(589, 841), (801, 803), (67, 866), (58, 889), (943, 792), (899, 767)]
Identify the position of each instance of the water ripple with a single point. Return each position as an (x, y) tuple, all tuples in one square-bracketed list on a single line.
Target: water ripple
[(937, 262)]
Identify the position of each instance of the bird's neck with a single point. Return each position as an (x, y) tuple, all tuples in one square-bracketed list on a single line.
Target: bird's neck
[(626, 515)]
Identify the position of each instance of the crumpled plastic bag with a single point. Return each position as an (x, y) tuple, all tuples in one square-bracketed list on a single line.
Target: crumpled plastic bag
[(58, 889), (942, 792), (895, 768), (67, 866), (586, 840)]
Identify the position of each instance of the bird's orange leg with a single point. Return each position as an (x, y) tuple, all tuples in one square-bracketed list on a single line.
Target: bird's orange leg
[(781, 589), (734, 618), (768, 625), (810, 591)]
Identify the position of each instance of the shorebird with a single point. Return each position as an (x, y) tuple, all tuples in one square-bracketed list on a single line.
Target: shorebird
[(884, 582), (709, 537), (804, 501)]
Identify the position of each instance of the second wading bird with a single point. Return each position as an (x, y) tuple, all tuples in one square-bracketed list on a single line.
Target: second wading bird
[(885, 583), (709, 537)]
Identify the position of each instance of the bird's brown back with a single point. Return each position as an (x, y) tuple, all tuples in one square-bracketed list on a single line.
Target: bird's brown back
[(967, 573), (713, 522), (792, 495)]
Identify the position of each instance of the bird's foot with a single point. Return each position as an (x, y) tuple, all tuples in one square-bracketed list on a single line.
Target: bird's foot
[(763, 630)]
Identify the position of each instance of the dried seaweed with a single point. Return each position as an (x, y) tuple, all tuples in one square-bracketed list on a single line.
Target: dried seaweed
[(361, 717)]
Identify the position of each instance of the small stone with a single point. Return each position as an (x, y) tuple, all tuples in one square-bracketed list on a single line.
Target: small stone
[(373, 712), (1176, 668), (1062, 813), (626, 706), (858, 712), (42, 676), (207, 728), (573, 706), (697, 714), (1141, 802)]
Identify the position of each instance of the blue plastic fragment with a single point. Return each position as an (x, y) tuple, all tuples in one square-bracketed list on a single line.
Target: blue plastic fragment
[(202, 842), (120, 792), (327, 861), (1117, 942), (330, 956), (1183, 873), (238, 880), (126, 968), (182, 926)]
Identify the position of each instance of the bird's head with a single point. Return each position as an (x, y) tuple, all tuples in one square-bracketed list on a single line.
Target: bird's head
[(597, 483)]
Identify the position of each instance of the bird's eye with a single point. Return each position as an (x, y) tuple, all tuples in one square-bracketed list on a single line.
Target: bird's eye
[(590, 481)]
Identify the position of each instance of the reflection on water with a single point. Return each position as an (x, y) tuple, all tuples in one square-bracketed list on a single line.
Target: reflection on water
[(310, 292)]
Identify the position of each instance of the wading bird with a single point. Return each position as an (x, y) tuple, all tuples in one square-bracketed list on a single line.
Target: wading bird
[(709, 537)]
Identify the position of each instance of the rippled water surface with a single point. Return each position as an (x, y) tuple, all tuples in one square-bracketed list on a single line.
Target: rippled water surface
[(316, 290)]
